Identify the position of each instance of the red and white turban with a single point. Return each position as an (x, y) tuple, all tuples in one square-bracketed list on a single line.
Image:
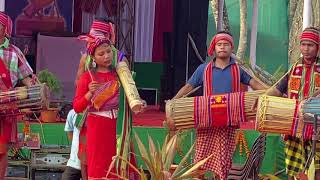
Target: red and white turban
[(216, 38), (102, 30), (94, 42), (6, 22), (310, 35)]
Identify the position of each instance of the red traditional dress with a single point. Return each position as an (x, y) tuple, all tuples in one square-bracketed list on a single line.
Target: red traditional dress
[(99, 32), (101, 122)]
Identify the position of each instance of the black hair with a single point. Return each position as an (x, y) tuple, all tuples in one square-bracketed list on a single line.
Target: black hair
[(104, 20)]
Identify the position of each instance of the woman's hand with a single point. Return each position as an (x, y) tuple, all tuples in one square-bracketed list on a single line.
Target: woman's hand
[(142, 107), (93, 86)]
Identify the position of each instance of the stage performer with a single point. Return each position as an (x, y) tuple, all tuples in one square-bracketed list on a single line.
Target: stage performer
[(100, 28), (98, 90), (301, 83), (13, 69), (220, 75)]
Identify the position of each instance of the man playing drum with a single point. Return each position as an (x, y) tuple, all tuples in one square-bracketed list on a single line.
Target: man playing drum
[(220, 75), (302, 82), (13, 68)]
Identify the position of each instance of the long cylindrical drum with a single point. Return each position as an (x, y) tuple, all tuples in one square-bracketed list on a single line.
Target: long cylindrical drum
[(185, 112), (129, 86), (311, 106), (24, 100), (279, 115)]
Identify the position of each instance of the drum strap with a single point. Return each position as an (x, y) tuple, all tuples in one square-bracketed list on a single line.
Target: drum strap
[(208, 79), (5, 80), (219, 110)]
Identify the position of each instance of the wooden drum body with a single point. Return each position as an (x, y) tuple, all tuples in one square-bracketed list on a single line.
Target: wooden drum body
[(24, 100), (185, 112), (312, 106), (278, 115)]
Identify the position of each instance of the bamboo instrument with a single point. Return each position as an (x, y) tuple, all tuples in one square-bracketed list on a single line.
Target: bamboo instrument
[(23, 99), (312, 106), (181, 111), (276, 115), (129, 86)]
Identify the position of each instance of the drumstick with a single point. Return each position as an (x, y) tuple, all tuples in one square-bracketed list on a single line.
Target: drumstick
[(91, 77), (192, 91)]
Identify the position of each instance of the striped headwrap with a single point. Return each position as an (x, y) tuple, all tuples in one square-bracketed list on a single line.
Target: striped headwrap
[(310, 34), (216, 38), (93, 42), (99, 31), (6, 22)]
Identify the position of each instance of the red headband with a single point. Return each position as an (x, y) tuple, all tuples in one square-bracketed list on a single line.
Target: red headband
[(216, 38), (5, 20), (93, 42), (91, 46), (309, 35)]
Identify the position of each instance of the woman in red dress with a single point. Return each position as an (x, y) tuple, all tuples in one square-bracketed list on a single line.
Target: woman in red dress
[(98, 91)]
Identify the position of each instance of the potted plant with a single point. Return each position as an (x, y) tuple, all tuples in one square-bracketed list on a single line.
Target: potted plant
[(55, 87)]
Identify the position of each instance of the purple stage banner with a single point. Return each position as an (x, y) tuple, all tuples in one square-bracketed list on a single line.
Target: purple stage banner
[(32, 16)]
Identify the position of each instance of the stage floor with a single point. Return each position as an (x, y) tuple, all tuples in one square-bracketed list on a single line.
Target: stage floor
[(152, 117)]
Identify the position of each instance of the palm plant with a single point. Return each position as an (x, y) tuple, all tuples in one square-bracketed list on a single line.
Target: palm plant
[(159, 161), (260, 74)]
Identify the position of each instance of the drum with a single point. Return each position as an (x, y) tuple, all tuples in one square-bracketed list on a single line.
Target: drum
[(278, 115), (220, 110), (312, 106), (24, 100), (129, 86)]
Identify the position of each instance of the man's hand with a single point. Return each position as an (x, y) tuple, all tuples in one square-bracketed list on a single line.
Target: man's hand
[(170, 124), (304, 116), (28, 82), (255, 105)]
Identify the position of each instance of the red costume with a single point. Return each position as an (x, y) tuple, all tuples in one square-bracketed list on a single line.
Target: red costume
[(101, 124)]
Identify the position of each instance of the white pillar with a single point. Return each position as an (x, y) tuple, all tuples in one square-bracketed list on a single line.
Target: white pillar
[(2, 5), (307, 10)]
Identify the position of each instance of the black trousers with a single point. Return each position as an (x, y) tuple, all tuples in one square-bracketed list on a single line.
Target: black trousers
[(71, 173)]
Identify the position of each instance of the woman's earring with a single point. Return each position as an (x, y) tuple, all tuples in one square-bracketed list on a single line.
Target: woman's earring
[(94, 64)]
